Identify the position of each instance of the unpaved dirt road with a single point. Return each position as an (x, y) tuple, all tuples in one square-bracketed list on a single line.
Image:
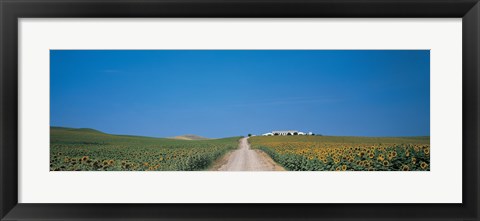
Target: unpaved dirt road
[(246, 159)]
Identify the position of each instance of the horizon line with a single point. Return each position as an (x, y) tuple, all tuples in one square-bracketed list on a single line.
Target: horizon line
[(258, 135)]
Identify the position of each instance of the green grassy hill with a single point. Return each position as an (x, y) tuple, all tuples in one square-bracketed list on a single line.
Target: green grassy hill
[(189, 137), (89, 149)]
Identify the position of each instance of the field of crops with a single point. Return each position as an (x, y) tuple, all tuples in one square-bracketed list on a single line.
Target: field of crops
[(328, 153), (91, 150)]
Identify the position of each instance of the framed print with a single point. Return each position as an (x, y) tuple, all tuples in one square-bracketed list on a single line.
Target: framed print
[(318, 109)]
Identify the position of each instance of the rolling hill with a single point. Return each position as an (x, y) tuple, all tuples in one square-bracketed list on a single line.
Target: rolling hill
[(92, 150), (189, 137)]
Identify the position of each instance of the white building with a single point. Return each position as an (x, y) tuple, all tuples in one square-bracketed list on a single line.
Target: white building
[(286, 132)]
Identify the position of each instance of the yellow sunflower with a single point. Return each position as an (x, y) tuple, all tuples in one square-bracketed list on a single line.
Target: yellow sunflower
[(385, 163), (423, 165)]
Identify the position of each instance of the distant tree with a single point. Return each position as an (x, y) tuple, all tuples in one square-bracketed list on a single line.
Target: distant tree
[(295, 133), (276, 134), (249, 135), (289, 134)]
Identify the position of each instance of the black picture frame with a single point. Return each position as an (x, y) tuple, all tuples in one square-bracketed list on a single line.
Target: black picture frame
[(12, 10)]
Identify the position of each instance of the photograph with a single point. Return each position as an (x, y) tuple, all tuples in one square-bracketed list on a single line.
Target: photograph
[(240, 110)]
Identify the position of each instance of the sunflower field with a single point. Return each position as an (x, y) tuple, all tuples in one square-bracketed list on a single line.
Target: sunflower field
[(325, 153), (91, 150)]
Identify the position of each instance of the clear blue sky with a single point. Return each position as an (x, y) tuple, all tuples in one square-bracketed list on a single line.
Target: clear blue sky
[(221, 93)]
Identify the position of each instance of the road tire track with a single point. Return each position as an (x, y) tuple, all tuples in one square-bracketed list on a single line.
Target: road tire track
[(246, 159)]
